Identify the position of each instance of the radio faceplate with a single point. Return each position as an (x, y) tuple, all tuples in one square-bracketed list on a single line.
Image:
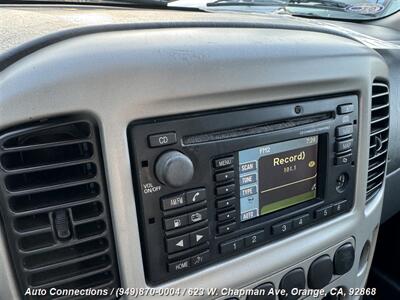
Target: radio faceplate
[(212, 185)]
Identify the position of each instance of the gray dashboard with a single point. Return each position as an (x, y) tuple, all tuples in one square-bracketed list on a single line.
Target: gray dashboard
[(168, 63)]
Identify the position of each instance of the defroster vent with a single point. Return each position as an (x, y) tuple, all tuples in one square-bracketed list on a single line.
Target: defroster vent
[(54, 208), (379, 138)]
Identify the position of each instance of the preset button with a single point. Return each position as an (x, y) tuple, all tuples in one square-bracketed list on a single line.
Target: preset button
[(254, 238), (301, 221), (323, 212), (282, 227), (231, 246), (339, 207)]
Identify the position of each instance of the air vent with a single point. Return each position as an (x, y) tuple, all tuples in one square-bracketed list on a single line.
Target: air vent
[(55, 209), (379, 138)]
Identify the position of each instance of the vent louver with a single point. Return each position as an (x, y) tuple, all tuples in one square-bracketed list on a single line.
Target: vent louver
[(55, 209), (379, 138)]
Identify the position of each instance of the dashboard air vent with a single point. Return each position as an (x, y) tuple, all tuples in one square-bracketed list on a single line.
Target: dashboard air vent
[(379, 138), (54, 207)]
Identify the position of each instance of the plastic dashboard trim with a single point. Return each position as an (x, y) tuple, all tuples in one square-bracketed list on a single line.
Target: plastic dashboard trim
[(70, 84)]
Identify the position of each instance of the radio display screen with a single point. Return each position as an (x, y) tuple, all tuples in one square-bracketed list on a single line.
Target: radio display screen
[(277, 176)]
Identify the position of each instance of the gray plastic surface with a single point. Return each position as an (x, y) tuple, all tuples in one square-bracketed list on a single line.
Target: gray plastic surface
[(129, 75), (346, 280)]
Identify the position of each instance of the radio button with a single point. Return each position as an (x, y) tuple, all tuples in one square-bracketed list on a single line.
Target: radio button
[(254, 238), (199, 237), (323, 212), (226, 216), (197, 216), (178, 243), (249, 191), (248, 179), (176, 222), (223, 162), (225, 202), (195, 196), (344, 145), (344, 130), (224, 176), (339, 207), (345, 109), (343, 160), (200, 258), (248, 167), (163, 139), (225, 189), (227, 228), (179, 266), (301, 221), (282, 227), (171, 202), (231, 246)]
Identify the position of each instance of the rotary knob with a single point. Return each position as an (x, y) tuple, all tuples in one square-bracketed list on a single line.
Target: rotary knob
[(174, 169)]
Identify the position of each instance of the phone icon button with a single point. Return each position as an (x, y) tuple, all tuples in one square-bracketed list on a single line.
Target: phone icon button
[(195, 196)]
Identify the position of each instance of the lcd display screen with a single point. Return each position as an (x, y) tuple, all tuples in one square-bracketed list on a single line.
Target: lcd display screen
[(277, 176)]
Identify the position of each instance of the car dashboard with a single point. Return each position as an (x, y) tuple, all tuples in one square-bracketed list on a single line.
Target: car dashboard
[(134, 145)]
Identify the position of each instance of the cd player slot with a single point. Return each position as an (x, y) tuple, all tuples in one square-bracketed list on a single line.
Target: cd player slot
[(255, 129)]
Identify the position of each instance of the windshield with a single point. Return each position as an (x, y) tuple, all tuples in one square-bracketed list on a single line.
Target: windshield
[(357, 10), (331, 9)]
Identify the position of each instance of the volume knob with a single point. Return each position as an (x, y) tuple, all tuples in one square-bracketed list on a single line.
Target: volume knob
[(174, 169)]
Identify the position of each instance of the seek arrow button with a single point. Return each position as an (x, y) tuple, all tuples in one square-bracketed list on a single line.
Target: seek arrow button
[(199, 237), (178, 243)]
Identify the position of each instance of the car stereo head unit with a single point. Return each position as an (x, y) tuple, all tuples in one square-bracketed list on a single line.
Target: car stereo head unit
[(212, 185)]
